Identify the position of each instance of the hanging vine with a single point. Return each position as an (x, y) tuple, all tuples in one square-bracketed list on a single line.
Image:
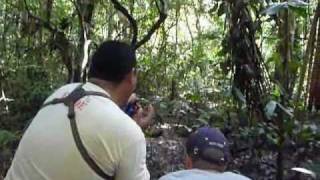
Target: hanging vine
[(249, 74)]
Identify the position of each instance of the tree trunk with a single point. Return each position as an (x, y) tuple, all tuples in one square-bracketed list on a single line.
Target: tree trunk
[(314, 95), (85, 10), (286, 24), (309, 53)]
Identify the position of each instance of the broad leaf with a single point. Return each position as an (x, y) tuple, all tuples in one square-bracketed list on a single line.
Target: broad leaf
[(275, 8), (239, 95), (297, 3), (304, 171), (270, 108)]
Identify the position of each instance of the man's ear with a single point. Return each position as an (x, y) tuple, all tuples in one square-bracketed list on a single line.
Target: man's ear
[(130, 77), (188, 162)]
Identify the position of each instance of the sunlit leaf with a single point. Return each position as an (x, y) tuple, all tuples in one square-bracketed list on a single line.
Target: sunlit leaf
[(276, 92), (304, 171), (296, 5), (270, 108)]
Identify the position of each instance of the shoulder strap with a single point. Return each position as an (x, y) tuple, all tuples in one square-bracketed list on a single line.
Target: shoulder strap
[(69, 101)]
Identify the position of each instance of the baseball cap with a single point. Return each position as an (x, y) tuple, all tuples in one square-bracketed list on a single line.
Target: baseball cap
[(208, 144)]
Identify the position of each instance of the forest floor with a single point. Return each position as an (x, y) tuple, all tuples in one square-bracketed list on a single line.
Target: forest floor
[(166, 154)]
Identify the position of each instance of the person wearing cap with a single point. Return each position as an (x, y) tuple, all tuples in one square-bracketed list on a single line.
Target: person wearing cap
[(207, 158), (82, 133)]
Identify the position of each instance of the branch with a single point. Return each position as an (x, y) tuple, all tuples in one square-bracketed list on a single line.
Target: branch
[(49, 9), (81, 20), (45, 24), (4, 98), (132, 21), (156, 25), (84, 41)]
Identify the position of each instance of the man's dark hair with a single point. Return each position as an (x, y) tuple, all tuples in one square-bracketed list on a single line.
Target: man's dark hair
[(112, 61)]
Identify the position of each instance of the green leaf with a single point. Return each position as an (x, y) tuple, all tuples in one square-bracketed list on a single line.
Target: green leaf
[(275, 8), (239, 95), (193, 97), (270, 108), (276, 92), (202, 121), (306, 135), (6, 137), (289, 125), (163, 105), (273, 139), (221, 9), (275, 59), (299, 11), (293, 66), (296, 5)]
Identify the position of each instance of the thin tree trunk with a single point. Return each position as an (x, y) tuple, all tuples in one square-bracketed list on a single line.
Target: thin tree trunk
[(85, 10), (308, 53), (314, 97), (286, 33), (173, 85)]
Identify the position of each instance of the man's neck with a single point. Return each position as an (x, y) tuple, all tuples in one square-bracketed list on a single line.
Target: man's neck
[(209, 166), (111, 88)]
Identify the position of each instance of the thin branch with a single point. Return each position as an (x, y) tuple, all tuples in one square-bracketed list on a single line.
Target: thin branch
[(78, 12), (45, 24), (188, 26), (156, 25), (82, 19), (132, 21), (84, 35), (4, 98), (163, 15)]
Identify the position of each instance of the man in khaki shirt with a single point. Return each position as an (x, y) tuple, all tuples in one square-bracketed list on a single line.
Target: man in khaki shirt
[(112, 139)]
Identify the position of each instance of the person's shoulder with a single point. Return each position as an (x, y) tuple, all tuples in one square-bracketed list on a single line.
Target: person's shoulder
[(235, 176), (172, 175), (62, 91), (177, 175), (67, 87), (201, 174)]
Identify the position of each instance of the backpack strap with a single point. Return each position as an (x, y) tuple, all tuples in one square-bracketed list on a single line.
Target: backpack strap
[(69, 101)]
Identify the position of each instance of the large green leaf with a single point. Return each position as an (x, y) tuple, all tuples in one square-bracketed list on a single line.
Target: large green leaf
[(276, 92), (270, 108), (239, 95), (294, 66), (275, 8), (295, 5)]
